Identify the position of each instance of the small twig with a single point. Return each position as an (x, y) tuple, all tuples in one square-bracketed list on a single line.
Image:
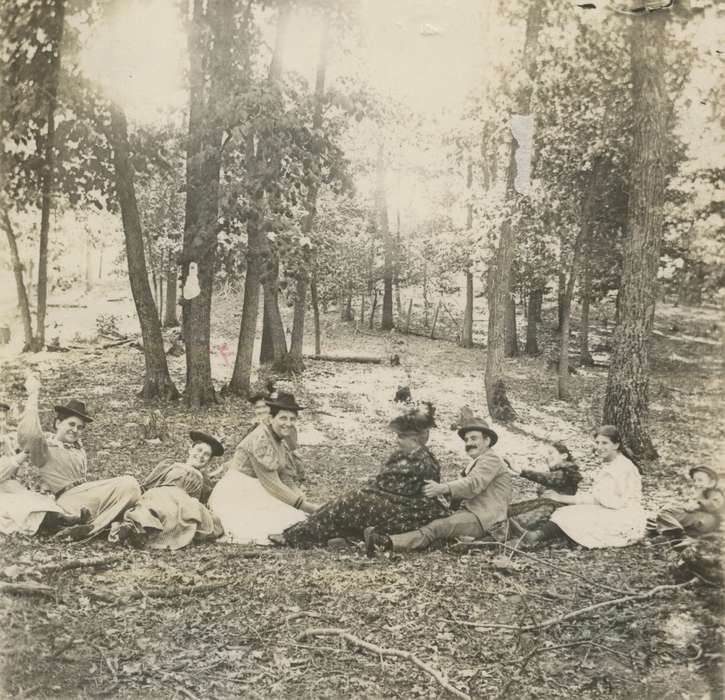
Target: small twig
[(38, 589), (479, 543), (78, 564), (583, 611), (381, 651), (186, 692)]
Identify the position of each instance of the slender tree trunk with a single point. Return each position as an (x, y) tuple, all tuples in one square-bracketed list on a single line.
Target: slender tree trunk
[(511, 342), (47, 183), (467, 333), (316, 313), (626, 404), (170, 317), (426, 322), (23, 302), (586, 294), (532, 345), (386, 323), (398, 249), (240, 383), (298, 327), (497, 399), (561, 293), (371, 324), (157, 381)]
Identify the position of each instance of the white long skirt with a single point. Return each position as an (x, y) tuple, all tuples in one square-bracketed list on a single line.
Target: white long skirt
[(594, 526), (23, 510), (248, 512)]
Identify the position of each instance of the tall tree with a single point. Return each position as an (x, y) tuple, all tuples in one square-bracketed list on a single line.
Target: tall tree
[(210, 40), (383, 228), (626, 402), (467, 332), (499, 405), (157, 381)]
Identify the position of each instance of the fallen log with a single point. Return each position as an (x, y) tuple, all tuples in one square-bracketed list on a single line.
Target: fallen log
[(78, 564), (38, 589), (345, 358)]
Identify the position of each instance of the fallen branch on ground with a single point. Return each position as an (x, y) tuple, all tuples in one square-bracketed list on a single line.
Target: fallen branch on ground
[(582, 611), (480, 544), (381, 651), (38, 589), (178, 590), (345, 358), (78, 564)]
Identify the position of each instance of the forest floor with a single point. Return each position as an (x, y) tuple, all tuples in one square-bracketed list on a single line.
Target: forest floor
[(229, 621)]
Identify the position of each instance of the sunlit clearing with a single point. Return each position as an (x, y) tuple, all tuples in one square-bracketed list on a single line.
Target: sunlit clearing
[(138, 56)]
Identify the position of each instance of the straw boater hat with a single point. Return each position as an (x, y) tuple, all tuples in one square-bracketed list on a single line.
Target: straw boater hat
[(479, 424), (73, 408), (415, 420), (711, 473), (217, 449), (284, 402)]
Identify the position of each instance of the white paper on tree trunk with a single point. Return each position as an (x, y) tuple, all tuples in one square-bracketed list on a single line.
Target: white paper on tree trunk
[(191, 286), (522, 128)]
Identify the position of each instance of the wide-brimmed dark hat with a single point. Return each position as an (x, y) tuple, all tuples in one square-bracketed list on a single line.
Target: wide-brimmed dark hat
[(217, 449), (4, 406), (284, 402), (711, 473), (414, 420), (74, 408), (479, 424)]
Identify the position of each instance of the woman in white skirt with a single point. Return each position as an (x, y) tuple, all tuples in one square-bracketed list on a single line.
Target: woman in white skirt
[(257, 495), (611, 514)]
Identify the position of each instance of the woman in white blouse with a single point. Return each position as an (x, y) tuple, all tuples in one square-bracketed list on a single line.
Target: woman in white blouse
[(611, 514)]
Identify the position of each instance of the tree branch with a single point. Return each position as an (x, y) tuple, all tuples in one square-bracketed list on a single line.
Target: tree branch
[(381, 651)]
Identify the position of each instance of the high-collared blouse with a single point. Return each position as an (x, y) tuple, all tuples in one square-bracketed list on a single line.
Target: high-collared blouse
[(59, 464)]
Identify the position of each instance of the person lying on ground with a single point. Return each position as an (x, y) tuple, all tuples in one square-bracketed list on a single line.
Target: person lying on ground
[(171, 513), (257, 494), (22, 510), (394, 498), (703, 477), (676, 523), (563, 477), (63, 466), (479, 497), (611, 514)]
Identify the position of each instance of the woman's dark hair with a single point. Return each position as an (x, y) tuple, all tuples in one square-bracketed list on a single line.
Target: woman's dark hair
[(274, 410), (562, 449), (612, 434), (709, 493)]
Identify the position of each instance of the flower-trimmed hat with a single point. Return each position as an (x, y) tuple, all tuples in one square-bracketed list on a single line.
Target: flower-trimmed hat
[(416, 419), (217, 449), (706, 470), (73, 408), (482, 426), (284, 402)]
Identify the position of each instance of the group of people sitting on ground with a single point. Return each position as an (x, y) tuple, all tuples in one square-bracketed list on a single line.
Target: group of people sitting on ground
[(258, 500)]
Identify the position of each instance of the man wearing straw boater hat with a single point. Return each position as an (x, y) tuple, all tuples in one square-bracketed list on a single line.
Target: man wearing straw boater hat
[(482, 493)]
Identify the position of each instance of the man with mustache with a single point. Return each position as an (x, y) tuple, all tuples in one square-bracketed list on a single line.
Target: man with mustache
[(482, 494)]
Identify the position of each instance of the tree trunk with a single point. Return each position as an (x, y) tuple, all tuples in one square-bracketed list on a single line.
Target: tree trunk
[(586, 294), (348, 306), (157, 381), (240, 383), (316, 313), (532, 346), (170, 317), (560, 293), (511, 342), (48, 172), (387, 322), (298, 327), (209, 52), (580, 244), (467, 333), (372, 311), (23, 302), (498, 402), (398, 249), (626, 402)]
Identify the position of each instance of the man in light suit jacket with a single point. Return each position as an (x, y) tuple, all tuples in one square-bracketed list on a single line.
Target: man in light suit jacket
[(483, 491)]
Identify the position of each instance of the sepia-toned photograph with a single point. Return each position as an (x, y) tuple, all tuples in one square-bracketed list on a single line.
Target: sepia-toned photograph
[(359, 349)]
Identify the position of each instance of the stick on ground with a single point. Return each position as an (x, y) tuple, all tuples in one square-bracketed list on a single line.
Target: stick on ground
[(380, 651)]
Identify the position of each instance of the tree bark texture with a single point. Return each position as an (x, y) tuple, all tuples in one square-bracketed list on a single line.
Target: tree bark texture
[(209, 50), (499, 406), (381, 204), (532, 317), (172, 282), (511, 341), (23, 301), (586, 296), (157, 381), (626, 402), (48, 174)]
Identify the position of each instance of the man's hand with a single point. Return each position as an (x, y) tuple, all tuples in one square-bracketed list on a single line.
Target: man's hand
[(552, 496), (309, 507), (433, 489)]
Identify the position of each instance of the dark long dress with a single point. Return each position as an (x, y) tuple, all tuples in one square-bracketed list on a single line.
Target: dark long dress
[(393, 500)]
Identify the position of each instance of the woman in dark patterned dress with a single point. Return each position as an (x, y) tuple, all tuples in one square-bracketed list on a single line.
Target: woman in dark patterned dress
[(392, 499), (563, 477)]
